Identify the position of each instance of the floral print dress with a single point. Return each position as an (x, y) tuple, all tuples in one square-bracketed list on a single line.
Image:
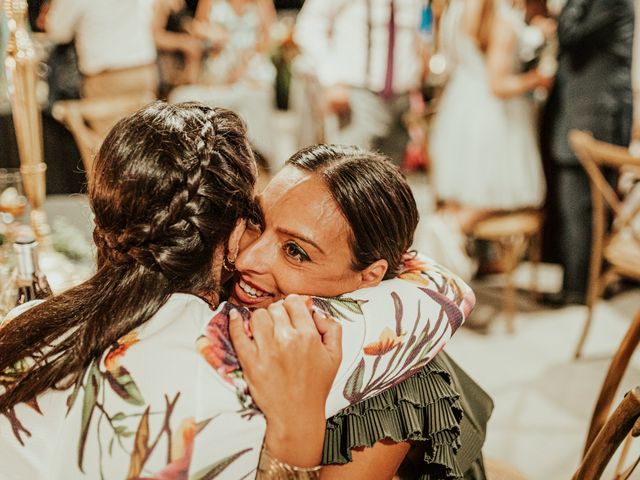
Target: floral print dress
[(168, 400)]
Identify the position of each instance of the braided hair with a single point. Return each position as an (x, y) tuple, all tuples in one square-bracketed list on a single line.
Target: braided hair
[(169, 185)]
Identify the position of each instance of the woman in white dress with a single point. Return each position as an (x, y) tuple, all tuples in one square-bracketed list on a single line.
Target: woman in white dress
[(484, 144), (237, 73)]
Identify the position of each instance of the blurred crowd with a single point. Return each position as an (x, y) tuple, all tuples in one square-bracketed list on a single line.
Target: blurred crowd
[(481, 93)]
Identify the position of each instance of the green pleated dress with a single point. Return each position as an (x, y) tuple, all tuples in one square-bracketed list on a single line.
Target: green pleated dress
[(440, 409)]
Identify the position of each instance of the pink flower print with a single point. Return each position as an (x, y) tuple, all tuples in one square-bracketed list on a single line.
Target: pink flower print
[(215, 345), (412, 264)]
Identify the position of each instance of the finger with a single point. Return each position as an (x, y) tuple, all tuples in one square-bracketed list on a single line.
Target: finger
[(322, 320), (299, 309), (244, 346), (331, 332), (281, 321), (261, 327)]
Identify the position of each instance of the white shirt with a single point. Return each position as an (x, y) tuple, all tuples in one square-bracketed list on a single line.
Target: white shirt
[(169, 400), (109, 34), (335, 35)]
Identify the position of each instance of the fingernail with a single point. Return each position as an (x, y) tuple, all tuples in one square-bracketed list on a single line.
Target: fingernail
[(316, 311), (234, 314)]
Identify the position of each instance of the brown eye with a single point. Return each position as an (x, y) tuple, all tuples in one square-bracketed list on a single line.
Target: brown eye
[(293, 250)]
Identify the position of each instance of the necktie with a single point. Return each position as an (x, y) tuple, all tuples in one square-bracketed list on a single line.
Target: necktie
[(387, 91)]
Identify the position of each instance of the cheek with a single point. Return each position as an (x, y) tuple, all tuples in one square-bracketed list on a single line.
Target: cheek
[(287, 279), (323, 283), (346, 281)]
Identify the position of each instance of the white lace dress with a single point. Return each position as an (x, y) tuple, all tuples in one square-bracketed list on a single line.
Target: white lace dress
[(484, 149)]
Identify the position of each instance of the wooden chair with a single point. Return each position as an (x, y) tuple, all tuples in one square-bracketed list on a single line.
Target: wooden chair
[(515, 233), (617, 247), (613, 378), (606, 432), (89, 120), (624, 420)]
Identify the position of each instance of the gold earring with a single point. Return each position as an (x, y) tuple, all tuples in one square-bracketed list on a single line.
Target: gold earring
[(228, 264)]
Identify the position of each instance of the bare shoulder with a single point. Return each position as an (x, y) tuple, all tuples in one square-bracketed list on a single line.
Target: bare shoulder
[(503, 33), (471, 16)]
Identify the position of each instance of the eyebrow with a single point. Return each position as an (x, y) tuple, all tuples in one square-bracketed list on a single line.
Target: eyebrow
[(301, 237), (290, 233)]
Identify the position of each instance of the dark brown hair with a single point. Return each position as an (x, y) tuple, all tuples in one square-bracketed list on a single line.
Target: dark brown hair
[(373, 196), (168, 187)]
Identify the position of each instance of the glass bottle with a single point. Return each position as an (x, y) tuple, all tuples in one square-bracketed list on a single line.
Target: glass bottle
[(31, 282)]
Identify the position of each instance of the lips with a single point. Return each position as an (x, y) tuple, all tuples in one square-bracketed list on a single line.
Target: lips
[(250, 294)]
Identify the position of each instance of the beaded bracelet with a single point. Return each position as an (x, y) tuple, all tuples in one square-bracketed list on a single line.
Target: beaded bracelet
[(271, 468)]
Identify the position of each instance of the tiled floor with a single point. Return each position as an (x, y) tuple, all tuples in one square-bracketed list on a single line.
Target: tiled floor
[(543, 397)]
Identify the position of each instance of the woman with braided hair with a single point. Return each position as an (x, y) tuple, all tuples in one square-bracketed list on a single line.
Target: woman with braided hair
[(134, 372), (171, 188)]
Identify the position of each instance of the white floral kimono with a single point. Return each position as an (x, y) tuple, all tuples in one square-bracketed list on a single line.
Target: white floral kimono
[(168, 400)]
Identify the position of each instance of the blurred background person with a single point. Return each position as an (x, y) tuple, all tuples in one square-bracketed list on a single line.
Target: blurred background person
[(4, 36), (114, 41), (367, 57), (484, 144), (179, 50), (635, 79), (236, 71), (592, 92), (62, 74)]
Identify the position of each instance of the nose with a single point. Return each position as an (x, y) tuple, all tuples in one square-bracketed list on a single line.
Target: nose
[(254, 255)]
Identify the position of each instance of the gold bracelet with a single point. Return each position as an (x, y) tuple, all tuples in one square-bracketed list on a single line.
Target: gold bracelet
[(271, 468)]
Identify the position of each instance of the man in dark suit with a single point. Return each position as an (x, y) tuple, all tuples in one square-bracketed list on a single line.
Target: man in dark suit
[(592, 92)]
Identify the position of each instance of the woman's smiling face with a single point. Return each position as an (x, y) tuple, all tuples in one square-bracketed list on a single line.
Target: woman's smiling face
[(303, 246)]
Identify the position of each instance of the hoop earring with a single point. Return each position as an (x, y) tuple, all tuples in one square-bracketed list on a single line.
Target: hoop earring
[(228, 264)]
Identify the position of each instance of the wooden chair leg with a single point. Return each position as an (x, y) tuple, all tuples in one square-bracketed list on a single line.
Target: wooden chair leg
[(593, 294), (509, 254), (585, 331), (595, 263), (509, 303), (535, 254)]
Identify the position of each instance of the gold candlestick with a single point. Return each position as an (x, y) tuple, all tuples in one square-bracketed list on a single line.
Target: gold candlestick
[(20, 65)]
